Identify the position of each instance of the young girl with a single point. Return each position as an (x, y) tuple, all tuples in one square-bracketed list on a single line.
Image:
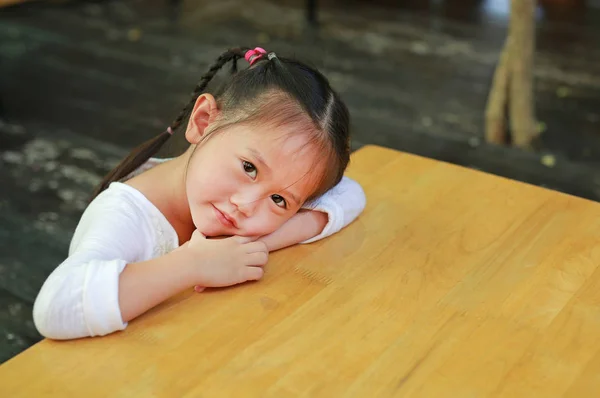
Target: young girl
[(264, 170)]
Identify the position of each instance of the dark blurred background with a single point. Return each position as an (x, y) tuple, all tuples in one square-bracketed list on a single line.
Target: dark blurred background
[(81, 82)]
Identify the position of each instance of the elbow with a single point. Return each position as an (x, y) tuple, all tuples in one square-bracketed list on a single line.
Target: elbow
[(44, 316), (57, 319), (80, 302), (359, 199), (56, 314), (362, 198)]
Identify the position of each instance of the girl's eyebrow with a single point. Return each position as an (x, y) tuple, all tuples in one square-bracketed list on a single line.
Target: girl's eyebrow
[(259, 157), (261, 160), (294, 197)]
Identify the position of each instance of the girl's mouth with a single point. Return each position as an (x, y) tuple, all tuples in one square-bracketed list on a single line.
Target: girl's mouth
[(225, 218)]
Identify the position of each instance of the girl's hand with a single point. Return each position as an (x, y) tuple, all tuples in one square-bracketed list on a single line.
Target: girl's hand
[(226, 262)]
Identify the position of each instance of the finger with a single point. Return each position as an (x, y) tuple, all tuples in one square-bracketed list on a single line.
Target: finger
[(220, 237), (256, 247), (244, 239), (257, 259), (182, 247), (252, 273), (199, 288), (197, 235)]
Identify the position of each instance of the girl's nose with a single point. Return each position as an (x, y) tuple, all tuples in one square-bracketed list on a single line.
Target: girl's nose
[(245, 204)]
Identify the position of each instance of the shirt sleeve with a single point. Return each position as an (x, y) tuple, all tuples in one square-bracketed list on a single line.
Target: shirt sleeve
[(342, 203), (80, 298)]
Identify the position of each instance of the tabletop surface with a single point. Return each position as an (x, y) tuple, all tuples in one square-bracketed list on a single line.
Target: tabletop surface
[(452, 283)]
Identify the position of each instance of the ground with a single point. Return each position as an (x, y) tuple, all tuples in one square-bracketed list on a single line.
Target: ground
[(81, 82)]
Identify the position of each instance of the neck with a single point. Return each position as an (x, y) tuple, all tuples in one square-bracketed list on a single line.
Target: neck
[(177, 205), (169, 197)]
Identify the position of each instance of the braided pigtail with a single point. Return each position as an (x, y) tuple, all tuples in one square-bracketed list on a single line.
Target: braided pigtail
[(146, 150)]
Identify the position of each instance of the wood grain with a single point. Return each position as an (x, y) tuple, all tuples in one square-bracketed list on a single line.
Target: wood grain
[(452, 283)]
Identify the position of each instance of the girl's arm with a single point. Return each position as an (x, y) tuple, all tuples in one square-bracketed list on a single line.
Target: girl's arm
[(91, 296), (121, 265), (208, 262), (146, 284), (333, 211), (304, 225), (80, 298)]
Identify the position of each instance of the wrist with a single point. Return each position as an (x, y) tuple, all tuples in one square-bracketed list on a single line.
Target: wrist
[(187, 264), (145, 284), (306, 224)]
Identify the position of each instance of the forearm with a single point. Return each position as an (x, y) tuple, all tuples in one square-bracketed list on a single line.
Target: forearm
[(146, 284), (302, 226)]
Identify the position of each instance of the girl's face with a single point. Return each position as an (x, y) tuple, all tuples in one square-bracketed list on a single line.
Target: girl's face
[(242, 181)]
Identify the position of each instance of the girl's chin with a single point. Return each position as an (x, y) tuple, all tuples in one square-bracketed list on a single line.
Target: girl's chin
[(210, 229), (218, 236), (209, 232)]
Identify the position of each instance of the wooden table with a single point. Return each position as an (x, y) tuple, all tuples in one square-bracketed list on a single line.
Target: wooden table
[(452, 283)]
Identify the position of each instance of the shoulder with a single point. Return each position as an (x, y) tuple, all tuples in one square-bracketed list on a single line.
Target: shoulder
[(116, 202), (122, 213), (147, 165)]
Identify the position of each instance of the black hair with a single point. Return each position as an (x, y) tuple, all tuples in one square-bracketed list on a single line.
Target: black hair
[(272, 87)]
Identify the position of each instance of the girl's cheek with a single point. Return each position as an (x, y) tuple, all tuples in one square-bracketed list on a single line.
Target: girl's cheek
[(264, 225)]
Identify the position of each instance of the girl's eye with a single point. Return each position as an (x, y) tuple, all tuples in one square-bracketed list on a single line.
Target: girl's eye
[(279, 201), (250, 169)]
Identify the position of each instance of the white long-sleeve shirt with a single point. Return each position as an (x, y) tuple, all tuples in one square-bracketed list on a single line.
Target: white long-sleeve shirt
[(80, 298)]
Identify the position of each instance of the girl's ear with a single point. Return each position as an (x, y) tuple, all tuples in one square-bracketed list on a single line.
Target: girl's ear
[(204, 113)]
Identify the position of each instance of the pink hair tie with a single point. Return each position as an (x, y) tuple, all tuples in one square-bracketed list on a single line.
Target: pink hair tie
[(254, 55), (170, 130)]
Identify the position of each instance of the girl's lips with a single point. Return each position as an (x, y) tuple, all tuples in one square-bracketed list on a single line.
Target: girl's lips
[(224, 218)]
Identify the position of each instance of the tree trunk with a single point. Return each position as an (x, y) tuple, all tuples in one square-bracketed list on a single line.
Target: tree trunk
[(495, 115), (512, 87)]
